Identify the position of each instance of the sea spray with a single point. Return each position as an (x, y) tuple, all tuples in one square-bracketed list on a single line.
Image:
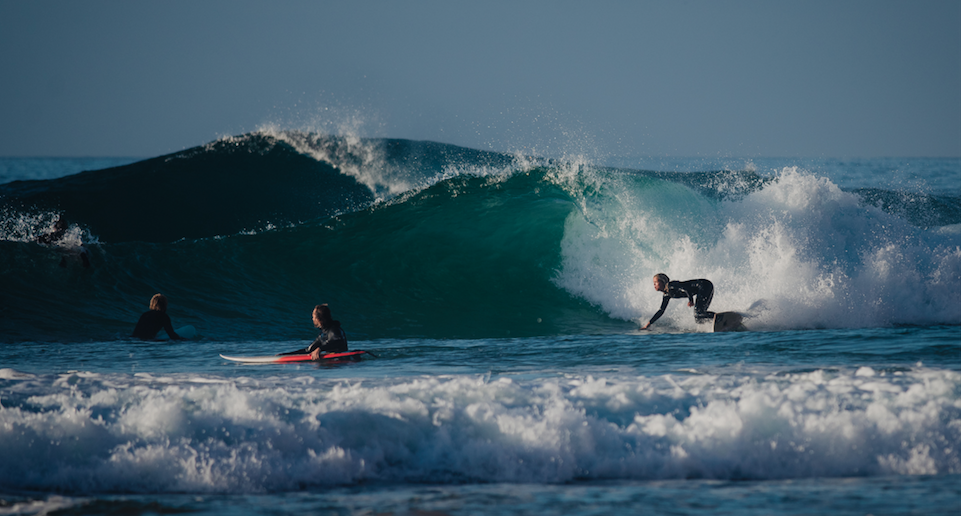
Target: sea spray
[(811, 254)]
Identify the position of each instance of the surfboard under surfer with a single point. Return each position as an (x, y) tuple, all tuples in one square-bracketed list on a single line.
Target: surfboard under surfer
[(332, 338), (698, 292)]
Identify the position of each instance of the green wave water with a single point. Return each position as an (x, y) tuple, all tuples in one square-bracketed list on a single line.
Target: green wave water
[(415, 239)]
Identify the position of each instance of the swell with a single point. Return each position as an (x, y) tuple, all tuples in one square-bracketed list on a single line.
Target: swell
[(418, 239), (467, 257), (236, 184), (920, 209)]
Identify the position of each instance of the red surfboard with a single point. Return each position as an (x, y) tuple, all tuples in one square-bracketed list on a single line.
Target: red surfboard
[(285, 359)]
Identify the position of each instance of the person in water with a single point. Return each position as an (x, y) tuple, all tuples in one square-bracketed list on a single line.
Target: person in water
[(332, 338), (55, 237), (698, 293), (154, 319)]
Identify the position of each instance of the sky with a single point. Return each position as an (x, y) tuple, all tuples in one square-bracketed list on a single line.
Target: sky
[(732, 78)]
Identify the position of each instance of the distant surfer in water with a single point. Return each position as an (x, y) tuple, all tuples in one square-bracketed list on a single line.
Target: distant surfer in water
[(332, 338), (55, 237), (698, 293), (154, 319)]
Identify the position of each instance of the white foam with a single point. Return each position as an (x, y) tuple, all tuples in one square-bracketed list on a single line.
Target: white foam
[(12, 374), (50, 505), (814, 254), (97, 433), (18, 226), (363, 160)]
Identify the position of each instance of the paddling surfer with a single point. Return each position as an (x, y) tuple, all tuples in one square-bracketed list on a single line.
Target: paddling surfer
[(332, 338), (698, 292), (154, 319)]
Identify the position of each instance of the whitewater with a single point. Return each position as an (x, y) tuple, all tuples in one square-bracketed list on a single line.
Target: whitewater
[(502, 295)]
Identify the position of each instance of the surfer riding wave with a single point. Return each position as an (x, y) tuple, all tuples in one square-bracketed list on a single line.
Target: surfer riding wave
[(698, 292)]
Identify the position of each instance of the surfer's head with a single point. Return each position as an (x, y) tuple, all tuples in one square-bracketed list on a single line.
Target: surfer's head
[(158, 302), (322, 318), (660, 282)]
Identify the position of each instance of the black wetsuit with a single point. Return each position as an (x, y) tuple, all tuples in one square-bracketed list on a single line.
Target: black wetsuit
[(699, 292), (150, 324), (330, 340)]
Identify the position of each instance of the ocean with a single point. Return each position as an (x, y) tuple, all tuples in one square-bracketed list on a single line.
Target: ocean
[(502, 296)]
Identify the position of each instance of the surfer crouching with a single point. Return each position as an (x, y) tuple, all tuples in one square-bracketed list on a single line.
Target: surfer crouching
[(332, 338), (698, 293)]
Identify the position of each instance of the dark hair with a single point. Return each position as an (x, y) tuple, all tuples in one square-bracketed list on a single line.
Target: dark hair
[(322, 312)]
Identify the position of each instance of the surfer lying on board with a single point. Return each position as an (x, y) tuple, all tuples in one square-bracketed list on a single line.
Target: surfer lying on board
[(332, 338), (698, 293), (152, 320)]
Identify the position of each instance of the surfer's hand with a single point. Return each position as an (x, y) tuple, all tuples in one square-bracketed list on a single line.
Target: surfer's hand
[(315, 354), (690, 303)]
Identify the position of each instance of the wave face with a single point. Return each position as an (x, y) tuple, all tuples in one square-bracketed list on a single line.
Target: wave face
[(246, 234)]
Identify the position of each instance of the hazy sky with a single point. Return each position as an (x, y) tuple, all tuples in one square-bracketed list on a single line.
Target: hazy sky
[(805, 78)]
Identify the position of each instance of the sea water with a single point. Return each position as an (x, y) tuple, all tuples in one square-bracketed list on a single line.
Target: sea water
[(502, 296)]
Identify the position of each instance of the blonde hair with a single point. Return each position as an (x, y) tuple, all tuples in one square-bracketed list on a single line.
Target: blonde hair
[(158, 302), (662, 277)]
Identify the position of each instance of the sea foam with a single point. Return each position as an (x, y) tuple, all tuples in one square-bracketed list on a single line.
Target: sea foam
[(84, 432), (808, 253)]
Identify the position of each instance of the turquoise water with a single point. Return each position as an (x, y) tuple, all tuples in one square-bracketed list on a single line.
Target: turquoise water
[(502, 298)]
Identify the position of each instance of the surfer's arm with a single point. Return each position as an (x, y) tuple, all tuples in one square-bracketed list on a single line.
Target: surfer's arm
[(659, 313), (173, 335), (316, 349), (169, 328), (316, 344), (330, 340)]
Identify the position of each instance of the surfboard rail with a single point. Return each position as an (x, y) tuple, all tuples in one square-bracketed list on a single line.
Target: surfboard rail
[(286, 359)]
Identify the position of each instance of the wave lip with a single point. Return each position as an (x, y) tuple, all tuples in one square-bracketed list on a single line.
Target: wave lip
[(219, 189), (243, 183)]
